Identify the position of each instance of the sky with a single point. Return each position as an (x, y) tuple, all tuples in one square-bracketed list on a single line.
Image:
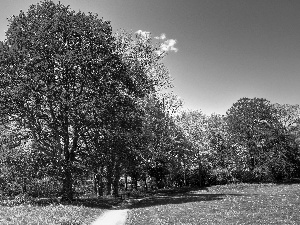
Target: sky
[(219, 50)]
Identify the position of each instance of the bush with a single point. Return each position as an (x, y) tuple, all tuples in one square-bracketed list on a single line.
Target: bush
[(220, 176), (262, 174), (137, 193), (258, 175), (12, 189), (19, 199), (23, 199)]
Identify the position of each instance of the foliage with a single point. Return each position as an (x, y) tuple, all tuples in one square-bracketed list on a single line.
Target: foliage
[(79, 101), (257, 127), (63, 76)]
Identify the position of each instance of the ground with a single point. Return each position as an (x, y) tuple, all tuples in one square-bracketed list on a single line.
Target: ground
[(227, 204)]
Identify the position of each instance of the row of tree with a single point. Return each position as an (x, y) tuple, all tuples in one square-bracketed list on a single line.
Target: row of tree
[(255, 141), (79, 100)]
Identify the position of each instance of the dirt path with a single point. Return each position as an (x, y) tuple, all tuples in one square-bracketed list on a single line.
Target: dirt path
[(112, 217)]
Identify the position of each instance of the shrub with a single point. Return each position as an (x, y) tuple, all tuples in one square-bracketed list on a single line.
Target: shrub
[(220, 176), (137, 193)]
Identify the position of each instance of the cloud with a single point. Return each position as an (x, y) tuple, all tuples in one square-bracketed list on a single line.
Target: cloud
[(161, 37), (143, 34), (167, 46)]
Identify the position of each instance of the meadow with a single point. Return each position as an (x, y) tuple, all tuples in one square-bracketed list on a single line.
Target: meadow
[(227, 204)]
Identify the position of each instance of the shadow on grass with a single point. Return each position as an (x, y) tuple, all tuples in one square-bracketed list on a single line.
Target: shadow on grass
[(289, 181), (161, 197), (178, 197), (101, 203)]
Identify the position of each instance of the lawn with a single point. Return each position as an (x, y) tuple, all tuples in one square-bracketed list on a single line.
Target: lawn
[(58, 214), (80, 212), (228, 204)]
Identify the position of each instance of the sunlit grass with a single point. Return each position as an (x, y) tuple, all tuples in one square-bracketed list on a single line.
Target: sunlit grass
[(229, 204), (50, 214), (24, 209)]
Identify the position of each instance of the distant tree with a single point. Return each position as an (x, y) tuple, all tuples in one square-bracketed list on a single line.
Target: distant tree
[(250, 122), (287, 138), (256, 126), (194, 126)]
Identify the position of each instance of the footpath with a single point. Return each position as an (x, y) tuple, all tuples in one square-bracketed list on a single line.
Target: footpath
[(112, 217)]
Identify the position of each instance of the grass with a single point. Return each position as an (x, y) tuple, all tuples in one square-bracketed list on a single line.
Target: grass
[(228, 204), (52, 214), (47, 211)]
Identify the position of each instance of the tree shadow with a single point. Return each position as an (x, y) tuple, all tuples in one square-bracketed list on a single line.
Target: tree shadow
[(289, 181), (178, 198), (102, 203), (161, 197)]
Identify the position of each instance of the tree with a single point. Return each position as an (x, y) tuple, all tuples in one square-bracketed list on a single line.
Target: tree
[(194, 125), (255, 124), (120, 147), (140, 55), (16, 165), (287, 136), (61, 76), (249, 122)]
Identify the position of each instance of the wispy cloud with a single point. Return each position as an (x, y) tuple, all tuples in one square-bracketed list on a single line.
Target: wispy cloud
[(167, 46), (161, 37), (143, 34)]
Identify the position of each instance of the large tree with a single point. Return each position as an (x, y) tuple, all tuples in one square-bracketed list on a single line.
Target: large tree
[(61, 75)]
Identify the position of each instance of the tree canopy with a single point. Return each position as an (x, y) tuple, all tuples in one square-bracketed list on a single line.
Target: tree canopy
[(77, 100)]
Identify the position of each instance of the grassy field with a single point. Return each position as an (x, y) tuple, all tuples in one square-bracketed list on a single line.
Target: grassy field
[(229, 204)]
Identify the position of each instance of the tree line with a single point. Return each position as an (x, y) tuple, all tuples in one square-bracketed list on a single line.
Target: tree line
[(78, 100)]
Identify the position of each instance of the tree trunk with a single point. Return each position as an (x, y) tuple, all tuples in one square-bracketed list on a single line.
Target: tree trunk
[(67, 191), (116, 181), (109, 181), (100, 183), (145, 180), (135, 182), (184, 177), (98, 188), (200, 174), (126, 183), (252, 163), (95, 182), (110, 168), (24, 188)]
